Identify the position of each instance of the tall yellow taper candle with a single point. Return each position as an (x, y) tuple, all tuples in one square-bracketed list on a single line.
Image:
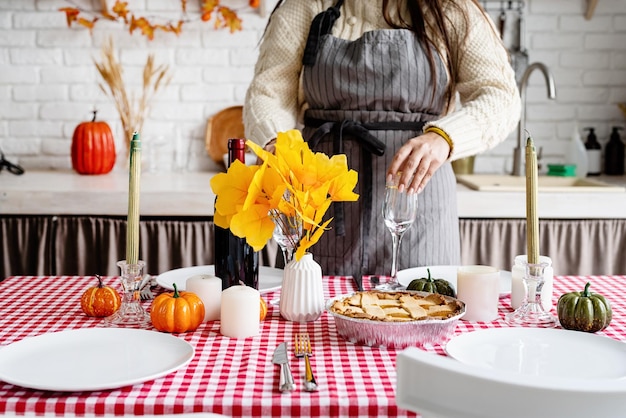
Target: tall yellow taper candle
[(532, 219), (132, 223)]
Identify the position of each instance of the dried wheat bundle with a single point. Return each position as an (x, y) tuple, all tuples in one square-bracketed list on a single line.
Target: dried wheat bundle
[(132, 111)]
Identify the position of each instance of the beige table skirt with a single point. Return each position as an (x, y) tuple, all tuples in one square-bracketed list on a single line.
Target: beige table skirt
[(87, 245), (576, 247)]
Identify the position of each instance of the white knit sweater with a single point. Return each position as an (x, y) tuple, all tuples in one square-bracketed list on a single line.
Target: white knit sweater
[(489, 99)]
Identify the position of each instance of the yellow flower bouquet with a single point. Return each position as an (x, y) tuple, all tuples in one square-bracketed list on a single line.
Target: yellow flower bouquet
[(293, 181)]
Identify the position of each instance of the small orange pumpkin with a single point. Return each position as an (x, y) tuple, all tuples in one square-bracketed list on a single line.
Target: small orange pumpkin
[(93, 147), (177, 312), (263, 309), (100, 300)]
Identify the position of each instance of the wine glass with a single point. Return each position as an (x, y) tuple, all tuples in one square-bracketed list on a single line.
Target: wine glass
[(287, 233), (399, 211), (531, 312)]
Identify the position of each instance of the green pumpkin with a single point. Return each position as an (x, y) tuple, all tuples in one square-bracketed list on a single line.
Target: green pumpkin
[(430, 285), (584, 311)]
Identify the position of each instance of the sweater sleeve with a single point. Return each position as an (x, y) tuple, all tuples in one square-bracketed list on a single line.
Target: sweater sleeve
[(489, 99), (273, 100)]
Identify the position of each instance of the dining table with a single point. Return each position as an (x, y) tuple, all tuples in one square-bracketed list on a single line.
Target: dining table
[(236, 376)]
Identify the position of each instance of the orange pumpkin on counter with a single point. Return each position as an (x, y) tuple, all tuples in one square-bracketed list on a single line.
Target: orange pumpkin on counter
[(100, 300), (93, 147), (177, 312)]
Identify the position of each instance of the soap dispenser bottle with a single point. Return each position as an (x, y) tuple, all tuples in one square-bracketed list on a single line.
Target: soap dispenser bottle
[(614, 154), (576, 153), (594, 154)]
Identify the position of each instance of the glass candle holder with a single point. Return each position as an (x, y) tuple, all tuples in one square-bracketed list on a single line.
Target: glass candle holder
[(131, 314), (532, 313), (518, 288)]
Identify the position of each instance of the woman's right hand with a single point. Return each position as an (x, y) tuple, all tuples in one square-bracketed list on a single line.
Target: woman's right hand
[(418, 159)]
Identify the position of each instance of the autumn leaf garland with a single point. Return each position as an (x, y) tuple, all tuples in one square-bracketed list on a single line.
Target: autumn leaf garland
[(223, 16)]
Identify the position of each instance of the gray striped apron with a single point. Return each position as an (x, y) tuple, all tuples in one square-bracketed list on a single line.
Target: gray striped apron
[(366, 98)]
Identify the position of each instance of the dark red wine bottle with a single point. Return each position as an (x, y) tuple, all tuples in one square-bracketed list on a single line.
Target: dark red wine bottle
[(235, 260)]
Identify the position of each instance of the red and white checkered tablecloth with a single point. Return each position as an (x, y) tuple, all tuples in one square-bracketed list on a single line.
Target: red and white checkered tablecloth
[(236, 377)]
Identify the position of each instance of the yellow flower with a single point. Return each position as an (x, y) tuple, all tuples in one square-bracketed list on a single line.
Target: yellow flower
[(231, 189), (294, 181)]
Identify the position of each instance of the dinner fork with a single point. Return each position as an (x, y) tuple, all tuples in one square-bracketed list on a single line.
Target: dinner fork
[(302, 348), (145, 290)]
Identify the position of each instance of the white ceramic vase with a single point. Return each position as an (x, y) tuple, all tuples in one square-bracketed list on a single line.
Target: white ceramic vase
[(302, 293)]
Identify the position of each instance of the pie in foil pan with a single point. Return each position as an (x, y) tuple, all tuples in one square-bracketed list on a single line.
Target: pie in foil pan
[(396, 319)]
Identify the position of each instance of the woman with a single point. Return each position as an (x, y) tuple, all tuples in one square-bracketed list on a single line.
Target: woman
[(377, 80)]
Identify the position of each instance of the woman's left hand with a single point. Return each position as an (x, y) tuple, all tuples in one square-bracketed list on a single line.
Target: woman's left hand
[(418, 159)]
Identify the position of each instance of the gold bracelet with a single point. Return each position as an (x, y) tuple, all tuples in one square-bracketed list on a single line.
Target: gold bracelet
[(442, 134)]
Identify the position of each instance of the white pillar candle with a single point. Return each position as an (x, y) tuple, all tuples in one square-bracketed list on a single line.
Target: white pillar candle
[(518, 291), (209, 290), (241, 308), (479, 288)]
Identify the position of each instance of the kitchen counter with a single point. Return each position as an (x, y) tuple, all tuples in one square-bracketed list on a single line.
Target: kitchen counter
[(69, 193), (190, 194), (474, 204), (63, 223)]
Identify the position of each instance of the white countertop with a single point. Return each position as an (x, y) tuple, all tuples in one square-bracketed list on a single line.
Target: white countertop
[(189, 194), (69, 193)]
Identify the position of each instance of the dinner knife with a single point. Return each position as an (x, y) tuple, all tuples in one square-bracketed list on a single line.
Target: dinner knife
[(286, 383)]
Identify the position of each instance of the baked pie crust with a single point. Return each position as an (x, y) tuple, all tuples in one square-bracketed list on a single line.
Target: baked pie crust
[(396, 306)]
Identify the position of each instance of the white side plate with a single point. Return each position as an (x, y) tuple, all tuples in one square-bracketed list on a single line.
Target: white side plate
[(449, 273), (270, 279), (92, 359), (542, 352)]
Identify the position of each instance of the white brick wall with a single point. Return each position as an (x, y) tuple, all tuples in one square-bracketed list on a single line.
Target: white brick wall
[(587, 60), (48, 83)]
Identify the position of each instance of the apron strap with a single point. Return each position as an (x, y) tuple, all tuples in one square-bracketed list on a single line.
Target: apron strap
[(348, 127), (321, 25), (359, 130)]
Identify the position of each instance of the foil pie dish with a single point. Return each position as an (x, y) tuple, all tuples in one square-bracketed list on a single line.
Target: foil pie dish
[(397, 335)]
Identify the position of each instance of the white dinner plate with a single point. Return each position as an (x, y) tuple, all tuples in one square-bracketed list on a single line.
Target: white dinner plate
[(270, 279), (542, 352), (92, 359), (449, 273)]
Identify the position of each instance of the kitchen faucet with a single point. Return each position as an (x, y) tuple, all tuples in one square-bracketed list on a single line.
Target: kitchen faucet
[(517, 152)]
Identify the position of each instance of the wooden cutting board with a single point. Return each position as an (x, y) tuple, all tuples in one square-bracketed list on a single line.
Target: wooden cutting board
[(222, 126)]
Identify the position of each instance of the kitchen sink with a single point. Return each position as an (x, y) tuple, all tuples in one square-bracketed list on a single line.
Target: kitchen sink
[(509, 183)]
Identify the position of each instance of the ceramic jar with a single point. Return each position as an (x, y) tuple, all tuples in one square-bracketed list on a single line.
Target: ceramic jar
[(302, 293)]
